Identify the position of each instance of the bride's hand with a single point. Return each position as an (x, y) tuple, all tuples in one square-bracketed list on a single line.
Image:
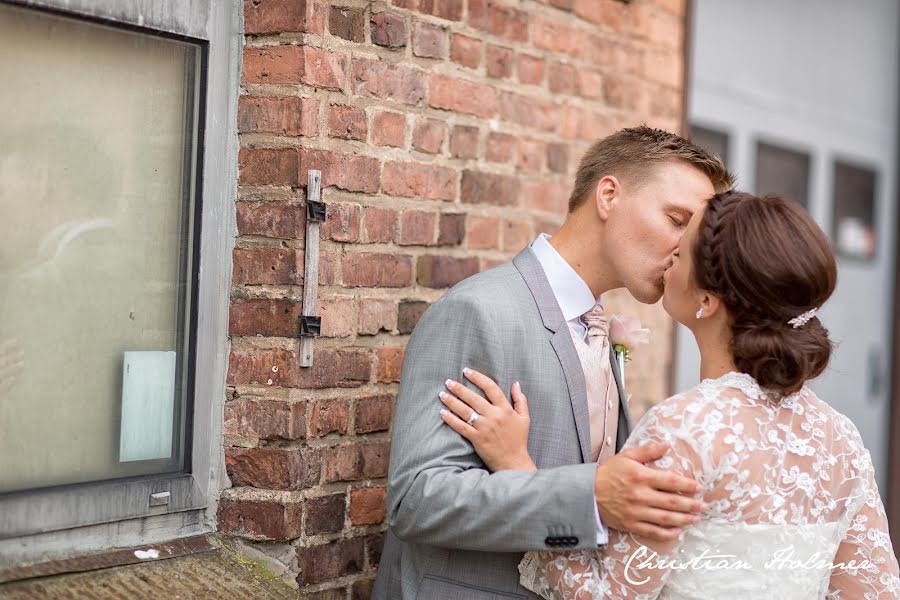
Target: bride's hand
[(500, 431)]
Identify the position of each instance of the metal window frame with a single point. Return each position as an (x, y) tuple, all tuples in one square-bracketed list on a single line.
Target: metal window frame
[(53, 522)]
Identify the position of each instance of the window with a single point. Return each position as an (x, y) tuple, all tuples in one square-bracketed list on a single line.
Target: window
[(783, 172), (854, 211), (714, 141)]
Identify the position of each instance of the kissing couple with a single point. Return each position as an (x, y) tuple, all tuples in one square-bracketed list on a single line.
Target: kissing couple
[(550, 491)]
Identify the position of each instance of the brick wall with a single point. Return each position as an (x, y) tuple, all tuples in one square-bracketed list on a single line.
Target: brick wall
[(447, 133)]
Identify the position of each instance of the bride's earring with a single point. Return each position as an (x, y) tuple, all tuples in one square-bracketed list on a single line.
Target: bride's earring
[(700, 312)]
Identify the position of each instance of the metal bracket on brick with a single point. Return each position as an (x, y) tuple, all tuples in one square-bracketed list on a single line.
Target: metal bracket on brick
[(310, 323)]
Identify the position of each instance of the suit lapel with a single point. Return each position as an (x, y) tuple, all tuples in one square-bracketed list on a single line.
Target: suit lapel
[(551, 315)]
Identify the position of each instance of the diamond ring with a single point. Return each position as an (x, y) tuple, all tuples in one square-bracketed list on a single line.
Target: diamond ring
[(473, 417)]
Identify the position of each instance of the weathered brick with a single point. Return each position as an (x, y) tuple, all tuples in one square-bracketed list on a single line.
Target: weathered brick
[(389, 30), (558, 157), (380, 79), (272, 266), (528, 112), (335, 593), (417, 179), (362, 589), (499, 19), (465, 51), (418, 228), (274, 16), (342, 222), (377, 314), (560, 37), (531, 155), (430, 41), (325, 514), (261, 316), (547, 196), (271, 219), (353, 462), (374, 548), (444, 271), (499, 147), (464, 141), (273, 468), (592, 10), (489, 188), (451, 229), (443, 9), (348, 172), (516, 235), (389, 129), (334, 559), (428, 135), (260, 519), (380, 224), (268, 166), (329, 415), (374, 413), (590, 83), (348, 122), (265, 419), (408, 314), (483, 233), (459, 95), (498, 61), (348, 22), (341, 367), (295, 64), (367, 506), (562, 78), (376, 270), (584, 124), (390, 363), (530, 69), (337, 314), (282, 116), (267, 366)]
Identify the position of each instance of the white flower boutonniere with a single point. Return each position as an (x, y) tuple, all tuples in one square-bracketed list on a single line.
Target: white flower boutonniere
[(625, 333)]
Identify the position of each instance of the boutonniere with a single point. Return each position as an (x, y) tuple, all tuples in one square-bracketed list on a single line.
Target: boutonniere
[(625, 333)]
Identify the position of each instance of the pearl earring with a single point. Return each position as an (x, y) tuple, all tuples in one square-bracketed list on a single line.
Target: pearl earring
[(699, 312)]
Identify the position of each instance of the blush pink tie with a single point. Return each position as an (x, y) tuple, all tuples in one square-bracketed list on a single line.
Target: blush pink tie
[(600, 385)]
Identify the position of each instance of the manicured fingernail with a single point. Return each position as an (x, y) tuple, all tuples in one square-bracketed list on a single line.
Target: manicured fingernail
[(444, 412), (443, 395), (449, 383), (467, 371)]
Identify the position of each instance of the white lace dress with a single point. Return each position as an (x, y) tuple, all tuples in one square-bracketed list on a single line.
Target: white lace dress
[(791, 492)]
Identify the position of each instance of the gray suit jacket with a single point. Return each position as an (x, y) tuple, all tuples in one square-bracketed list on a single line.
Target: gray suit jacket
[(458, 531)]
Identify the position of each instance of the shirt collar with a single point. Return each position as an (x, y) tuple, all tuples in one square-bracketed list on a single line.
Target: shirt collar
[(572, 294)]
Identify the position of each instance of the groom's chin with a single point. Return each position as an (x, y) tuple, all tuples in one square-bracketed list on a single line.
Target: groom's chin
[(649, 294)]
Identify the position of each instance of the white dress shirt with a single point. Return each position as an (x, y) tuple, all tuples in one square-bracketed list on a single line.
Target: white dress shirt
[(574, 298)]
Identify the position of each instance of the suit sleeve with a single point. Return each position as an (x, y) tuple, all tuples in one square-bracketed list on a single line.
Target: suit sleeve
[(439, 492)]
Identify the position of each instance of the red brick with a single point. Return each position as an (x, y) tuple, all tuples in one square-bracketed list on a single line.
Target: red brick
[(483, 233), (583, 124), (428, 135), (562, 78), (374, 413), (348, 172), (268, 166), (362, 589), (341, 368), (430, 41), (548, 196), (560, 37), (260, 519), (272, 266), (621, 92), (295, 64), (464, 141), (459, 95), (531, 155), (390, 363), (444, 271), (271, 219), (267, 366), (489, 188), (357, 461), (563, 4), (348, 122), (443, 9), (516, 235), (499, 147), (328, 264), (379, 79), (374, 548), (389, 129), (592, 10), (265, 419), (408, 314), (528, 112), (558, 157), (376, 270), (325, 514), (335, 559), (348, 23), (590, 83), (465, 51), (419, 180), (336, 593), (665, 67), (380, 225), (274, 16), (451, 229), (499, 19), (389, 30), (329, 416), (377, 314), (341, 222), (273, 468), (530, 69), (498, 61), (664, 102), (417, 228), (337, 314), (282, 116), (367, 506), (261, 316)]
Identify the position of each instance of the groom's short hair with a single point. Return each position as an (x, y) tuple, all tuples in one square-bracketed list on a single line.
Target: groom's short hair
[(628, 153)]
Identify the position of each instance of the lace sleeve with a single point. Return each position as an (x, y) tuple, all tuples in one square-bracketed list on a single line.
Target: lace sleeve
[(870, 569), (629, 567)]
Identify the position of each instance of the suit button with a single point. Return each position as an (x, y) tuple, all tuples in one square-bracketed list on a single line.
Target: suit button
[(573, 541), (550, 541), (609, 440)]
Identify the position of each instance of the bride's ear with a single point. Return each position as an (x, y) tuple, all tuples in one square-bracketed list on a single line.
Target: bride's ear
[(710, 304)]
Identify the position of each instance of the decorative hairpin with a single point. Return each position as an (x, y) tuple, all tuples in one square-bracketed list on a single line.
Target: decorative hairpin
[(801, 320)]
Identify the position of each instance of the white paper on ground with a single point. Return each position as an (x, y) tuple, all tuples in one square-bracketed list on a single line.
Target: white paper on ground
[(148, 405)]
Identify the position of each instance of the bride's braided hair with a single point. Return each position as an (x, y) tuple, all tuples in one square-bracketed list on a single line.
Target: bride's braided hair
[(767, 261)]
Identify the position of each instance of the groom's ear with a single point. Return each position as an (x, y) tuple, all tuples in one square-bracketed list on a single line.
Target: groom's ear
[(606, 194)]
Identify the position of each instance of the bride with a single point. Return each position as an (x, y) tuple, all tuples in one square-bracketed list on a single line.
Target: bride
[(793, 508)]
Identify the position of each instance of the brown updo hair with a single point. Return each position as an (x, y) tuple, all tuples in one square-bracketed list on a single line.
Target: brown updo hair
[(768, 262)]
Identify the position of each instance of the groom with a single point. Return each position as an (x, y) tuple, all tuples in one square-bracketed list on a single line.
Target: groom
[(457, 531)]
